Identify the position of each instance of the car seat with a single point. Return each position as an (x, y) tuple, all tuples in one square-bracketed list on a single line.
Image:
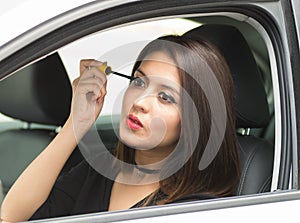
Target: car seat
[(251, 105), (37, 94)]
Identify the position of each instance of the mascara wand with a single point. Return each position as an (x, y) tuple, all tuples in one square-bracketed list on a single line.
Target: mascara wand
[(104, 68)]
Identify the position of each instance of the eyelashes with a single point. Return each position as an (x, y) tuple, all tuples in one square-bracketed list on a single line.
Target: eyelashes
[(165, 98), (137, 82)]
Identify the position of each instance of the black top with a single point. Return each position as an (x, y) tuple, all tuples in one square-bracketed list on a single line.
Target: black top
[(80, 191), (83, 190)]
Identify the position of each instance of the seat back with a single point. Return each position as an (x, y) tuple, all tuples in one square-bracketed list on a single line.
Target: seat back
[(251, 104), (38, 94)]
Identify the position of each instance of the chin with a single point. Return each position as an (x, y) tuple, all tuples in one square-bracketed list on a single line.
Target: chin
[(127, 137)]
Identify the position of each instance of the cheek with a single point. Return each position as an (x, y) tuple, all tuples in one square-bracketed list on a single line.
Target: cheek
[(128, 100), (171, 122), (175, 127)]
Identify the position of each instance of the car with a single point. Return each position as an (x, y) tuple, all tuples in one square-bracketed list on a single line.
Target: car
[(260, 40)]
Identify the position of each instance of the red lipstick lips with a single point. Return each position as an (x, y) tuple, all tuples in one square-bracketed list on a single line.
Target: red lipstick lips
[(133, 122)]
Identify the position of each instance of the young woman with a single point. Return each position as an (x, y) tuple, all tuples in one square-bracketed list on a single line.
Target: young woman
[(177, 132)]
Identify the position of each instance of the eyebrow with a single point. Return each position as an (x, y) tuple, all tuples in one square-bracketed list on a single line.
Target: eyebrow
[(140, 71), (162, 85)]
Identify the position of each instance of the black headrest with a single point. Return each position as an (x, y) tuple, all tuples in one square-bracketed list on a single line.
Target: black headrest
[(251, 100), (39, 93)]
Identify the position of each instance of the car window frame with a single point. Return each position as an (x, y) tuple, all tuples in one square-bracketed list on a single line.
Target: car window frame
[(24, 58), (104, 19)]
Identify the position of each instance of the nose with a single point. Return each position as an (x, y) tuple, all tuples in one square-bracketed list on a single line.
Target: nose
[(144, 103)]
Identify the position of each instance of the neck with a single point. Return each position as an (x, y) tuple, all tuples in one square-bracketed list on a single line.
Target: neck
[(151, 156)]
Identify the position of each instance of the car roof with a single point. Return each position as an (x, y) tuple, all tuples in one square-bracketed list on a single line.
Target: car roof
[(27, 19)]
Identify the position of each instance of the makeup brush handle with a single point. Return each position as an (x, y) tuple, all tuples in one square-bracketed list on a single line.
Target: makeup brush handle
[(104, 68)]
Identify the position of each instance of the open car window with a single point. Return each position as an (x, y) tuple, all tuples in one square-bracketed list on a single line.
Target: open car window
[(119, 45)]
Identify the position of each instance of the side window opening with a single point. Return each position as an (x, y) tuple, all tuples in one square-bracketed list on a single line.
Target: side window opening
[(85, 48)]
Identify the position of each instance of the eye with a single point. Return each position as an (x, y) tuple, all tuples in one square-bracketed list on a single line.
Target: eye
[(138, 82), (165, 98)]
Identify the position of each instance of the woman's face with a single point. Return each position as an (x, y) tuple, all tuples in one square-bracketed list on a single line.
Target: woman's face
[(151, 106)]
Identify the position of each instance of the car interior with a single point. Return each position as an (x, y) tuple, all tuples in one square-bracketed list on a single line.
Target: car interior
[(38, 99)]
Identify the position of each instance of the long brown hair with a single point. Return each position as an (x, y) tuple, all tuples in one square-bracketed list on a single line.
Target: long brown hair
[(195, 58)]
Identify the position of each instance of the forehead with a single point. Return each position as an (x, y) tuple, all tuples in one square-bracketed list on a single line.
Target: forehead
[(160, 65)]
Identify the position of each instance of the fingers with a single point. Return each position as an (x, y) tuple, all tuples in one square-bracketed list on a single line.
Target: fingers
[(90, 86), (88, 64), (93, 72), (89, 72), (91, 81)]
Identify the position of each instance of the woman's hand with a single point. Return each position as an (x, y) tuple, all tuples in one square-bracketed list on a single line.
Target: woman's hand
[(89, 90)]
